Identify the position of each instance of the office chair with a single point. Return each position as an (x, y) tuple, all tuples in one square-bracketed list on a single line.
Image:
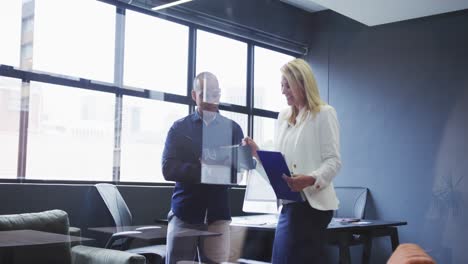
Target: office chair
[(352, 202), (122, 216), (352, 205)]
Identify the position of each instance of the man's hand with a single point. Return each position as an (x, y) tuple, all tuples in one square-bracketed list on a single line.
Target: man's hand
[(299, 181)]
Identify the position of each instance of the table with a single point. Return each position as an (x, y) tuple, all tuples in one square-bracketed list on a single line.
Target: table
[(26, 238), (150, 233), (343, 235)]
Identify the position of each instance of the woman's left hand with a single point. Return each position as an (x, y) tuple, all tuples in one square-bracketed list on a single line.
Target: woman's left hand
[(253, 146), (299, 181)]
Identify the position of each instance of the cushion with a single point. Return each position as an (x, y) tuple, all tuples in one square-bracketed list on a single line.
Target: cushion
[(91, 255), (54, 221)]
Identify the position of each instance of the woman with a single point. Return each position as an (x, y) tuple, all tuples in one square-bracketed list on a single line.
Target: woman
[(307, 134)]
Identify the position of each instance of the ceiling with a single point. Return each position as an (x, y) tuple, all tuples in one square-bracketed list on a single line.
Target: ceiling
[(377, 12), (306, 5)]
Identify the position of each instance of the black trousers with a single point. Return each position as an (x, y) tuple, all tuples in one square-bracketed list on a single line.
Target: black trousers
[(301, 235)]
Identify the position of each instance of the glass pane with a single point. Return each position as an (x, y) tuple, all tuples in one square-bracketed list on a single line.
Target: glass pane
[(75, 38), (240, 119), (10, 32), (264, 132), (267, 81), (214, 173), (145, 124), (71, 134), (10, 103), (230, 67), (156, 54)]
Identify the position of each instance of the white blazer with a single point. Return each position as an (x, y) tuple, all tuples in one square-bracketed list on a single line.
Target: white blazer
[(316, 153)]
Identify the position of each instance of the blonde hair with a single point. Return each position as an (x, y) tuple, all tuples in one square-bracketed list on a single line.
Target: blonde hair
[(299, 76)]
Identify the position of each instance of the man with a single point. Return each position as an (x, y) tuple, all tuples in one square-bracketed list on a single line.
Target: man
[(195, 205)]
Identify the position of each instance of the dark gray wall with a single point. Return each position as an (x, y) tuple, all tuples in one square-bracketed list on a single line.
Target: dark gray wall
[(146, 203), (401, 93)]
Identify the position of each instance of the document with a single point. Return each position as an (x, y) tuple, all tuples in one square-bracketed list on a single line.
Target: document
[(275, 166), (345, 221)]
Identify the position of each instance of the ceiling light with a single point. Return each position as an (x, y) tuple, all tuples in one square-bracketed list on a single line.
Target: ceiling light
[(170, 4)]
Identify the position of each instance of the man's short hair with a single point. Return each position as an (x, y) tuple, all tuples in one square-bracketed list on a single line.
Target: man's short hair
[(206, 78)]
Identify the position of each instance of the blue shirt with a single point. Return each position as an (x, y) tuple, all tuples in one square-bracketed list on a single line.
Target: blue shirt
[(191, 200)]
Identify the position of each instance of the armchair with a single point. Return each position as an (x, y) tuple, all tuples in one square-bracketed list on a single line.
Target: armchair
[(352, 202), (56, 221), (410, 253)]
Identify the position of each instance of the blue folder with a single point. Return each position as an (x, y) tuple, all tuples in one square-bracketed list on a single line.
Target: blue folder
[(275, 166)]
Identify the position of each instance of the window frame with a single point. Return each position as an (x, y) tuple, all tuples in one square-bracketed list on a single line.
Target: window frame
[(117, 88)]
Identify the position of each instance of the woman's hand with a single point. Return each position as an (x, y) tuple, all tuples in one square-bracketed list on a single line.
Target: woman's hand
[(299, 181), (253, 146)]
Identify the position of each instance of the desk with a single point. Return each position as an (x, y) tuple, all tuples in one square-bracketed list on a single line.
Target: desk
[(338, 233), (26, 238)]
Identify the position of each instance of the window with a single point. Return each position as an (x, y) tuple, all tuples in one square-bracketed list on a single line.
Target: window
[(62, 144), (10, 103), (240, 119), (267, 81), (156, 54), (264, 132), (70, 132), (75, 38), (145, 124), (227, 59), (10, 32)]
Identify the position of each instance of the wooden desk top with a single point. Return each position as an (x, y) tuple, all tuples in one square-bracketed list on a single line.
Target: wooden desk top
[(268, 221), (19, 238)]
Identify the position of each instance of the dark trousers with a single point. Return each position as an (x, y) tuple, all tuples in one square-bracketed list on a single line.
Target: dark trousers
[(300, 235)]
